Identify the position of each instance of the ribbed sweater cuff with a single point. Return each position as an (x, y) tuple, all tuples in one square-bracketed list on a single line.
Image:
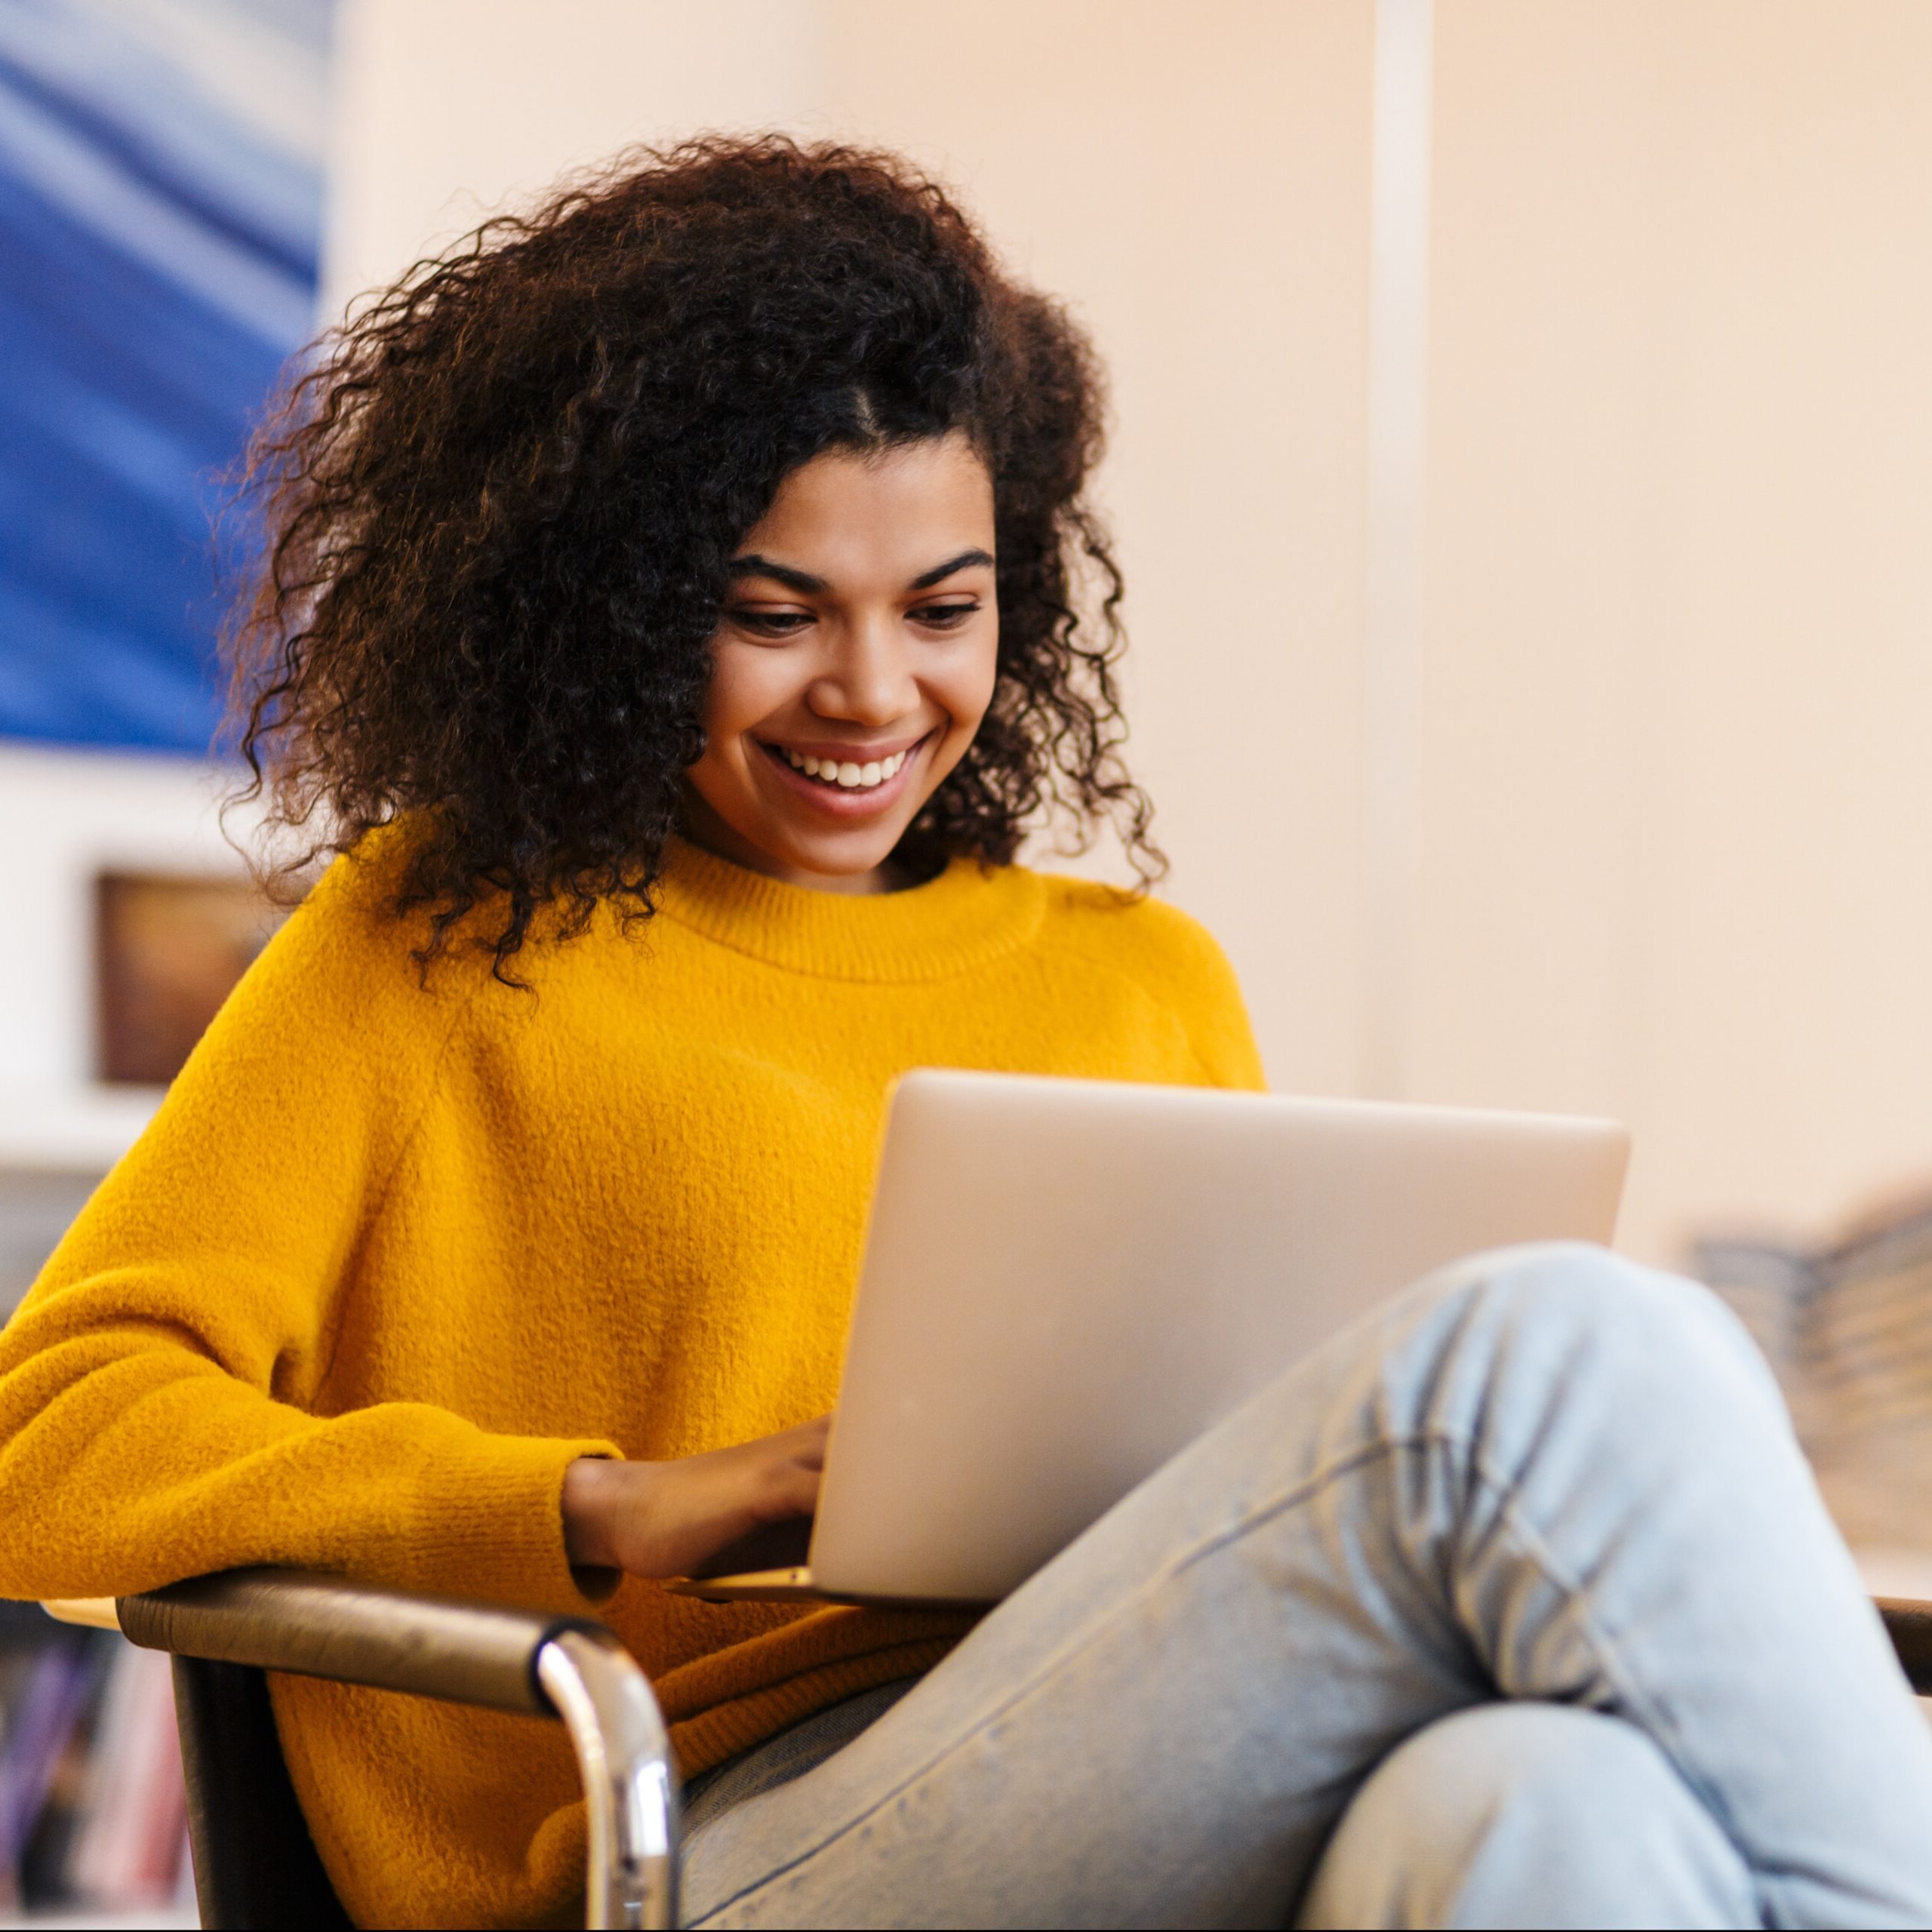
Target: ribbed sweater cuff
[(494, 1530)]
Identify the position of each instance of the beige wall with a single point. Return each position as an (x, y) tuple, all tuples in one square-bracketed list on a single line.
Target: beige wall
[(1673, 802), (447, 109), (1677, 801)]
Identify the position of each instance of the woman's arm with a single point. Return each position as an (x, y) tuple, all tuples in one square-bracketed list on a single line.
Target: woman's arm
[(153, 1385)]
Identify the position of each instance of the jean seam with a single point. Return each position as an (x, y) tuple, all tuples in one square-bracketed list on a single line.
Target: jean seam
[(1256, 1517), (1654, 1715)]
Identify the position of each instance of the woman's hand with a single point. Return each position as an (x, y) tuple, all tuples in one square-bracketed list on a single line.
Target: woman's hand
[(662, 1519)]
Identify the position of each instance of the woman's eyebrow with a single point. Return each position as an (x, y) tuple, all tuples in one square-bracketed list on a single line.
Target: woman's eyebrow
[(966, 560), (756, 566)]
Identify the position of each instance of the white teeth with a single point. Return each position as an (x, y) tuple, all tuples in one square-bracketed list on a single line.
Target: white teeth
[(850, 776)]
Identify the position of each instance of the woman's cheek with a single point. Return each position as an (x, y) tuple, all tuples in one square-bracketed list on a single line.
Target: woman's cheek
[(730, 699)]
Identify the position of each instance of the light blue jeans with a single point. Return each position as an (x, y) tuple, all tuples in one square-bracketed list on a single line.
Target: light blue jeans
[(1515, 1605)]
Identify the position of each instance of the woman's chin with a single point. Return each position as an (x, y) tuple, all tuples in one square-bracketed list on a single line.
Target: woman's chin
[(853, 862), (848, 859)]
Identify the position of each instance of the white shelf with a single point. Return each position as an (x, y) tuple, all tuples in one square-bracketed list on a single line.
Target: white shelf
[(71, 1130), (160, 1918), (1889, 1571)]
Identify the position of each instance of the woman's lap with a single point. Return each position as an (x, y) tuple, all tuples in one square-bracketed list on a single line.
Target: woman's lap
[(798, 1748), (1546, 1475)]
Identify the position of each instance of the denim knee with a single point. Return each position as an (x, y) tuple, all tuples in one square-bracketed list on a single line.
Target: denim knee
[(1528, 1814), (1577, 1282), (1575, 1291)]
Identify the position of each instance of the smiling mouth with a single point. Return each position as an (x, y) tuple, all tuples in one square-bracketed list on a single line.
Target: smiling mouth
[(847, 774)]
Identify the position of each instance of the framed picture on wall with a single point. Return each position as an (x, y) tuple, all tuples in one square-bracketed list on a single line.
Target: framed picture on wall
[(168, 950)]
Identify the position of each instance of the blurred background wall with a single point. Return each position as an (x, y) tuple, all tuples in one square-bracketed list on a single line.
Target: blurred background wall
[(1664, 812), (1670, 810), (1677, 821)]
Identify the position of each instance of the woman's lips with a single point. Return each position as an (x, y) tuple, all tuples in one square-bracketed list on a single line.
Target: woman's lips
[(843, 802)]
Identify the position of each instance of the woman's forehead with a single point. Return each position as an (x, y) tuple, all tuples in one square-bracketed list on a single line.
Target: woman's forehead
[(849, 517)]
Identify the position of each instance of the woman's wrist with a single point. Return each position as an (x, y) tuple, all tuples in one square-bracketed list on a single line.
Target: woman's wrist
[(592, 1484)]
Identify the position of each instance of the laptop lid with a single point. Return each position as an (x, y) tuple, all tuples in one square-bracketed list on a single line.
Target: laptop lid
[(1066, 1282)]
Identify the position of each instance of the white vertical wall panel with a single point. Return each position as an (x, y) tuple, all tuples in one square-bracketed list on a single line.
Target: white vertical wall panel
[(1397, 448)]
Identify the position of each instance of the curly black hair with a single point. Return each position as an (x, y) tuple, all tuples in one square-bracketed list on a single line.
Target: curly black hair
[(501, 504)]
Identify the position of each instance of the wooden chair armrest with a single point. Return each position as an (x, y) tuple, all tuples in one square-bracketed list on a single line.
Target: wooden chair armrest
[(1908, 1624), (506, 1659)]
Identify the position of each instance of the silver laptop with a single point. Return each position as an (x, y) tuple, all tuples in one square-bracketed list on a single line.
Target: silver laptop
[(1066, 1282)]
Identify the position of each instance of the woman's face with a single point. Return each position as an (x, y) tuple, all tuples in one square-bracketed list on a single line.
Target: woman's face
[(854, 661)]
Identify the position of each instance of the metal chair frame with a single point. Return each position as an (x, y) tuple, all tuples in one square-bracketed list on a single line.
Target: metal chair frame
[(254, 1863)]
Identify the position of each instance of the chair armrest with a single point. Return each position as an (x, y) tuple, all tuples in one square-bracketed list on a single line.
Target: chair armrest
[(318, 1626), (504, 1659), (1908, 1624)]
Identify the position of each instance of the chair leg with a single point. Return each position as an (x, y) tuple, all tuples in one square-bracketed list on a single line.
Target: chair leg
[(630, 1790), (255, 1865)]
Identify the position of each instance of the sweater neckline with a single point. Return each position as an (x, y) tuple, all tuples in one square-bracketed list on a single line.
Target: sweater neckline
[(967, 916)]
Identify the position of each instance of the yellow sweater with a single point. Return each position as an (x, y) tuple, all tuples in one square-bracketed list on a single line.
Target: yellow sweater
[(390, 1256)]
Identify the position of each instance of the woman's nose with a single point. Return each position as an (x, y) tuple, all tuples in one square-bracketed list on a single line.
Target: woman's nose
[(869, 680)]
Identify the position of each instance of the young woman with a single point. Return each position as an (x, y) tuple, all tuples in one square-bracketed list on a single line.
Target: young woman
[(681, 601)]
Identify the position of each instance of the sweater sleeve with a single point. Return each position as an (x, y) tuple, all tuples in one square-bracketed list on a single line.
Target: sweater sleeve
[(156, 1384)]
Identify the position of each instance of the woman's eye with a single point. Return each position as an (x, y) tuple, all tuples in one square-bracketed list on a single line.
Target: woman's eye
[(944, 616), (771, 623)]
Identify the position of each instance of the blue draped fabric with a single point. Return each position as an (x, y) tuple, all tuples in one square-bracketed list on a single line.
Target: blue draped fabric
[(160, 217)]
